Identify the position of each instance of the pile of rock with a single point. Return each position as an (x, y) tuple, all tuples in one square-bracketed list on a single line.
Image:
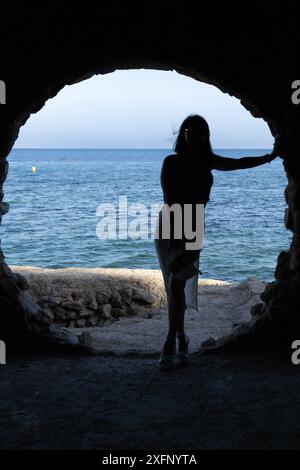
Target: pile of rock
[(78, 308), (76, 297)]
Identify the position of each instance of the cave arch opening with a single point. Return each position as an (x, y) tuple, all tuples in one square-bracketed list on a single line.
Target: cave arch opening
[(74, 299)]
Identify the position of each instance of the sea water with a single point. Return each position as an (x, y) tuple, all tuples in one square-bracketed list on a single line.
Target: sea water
[(53, 217)]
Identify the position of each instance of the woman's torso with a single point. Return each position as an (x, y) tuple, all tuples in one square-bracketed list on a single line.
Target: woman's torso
[(191, 181)]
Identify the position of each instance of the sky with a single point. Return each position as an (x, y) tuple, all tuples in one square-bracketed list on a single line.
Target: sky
[(139, 109)]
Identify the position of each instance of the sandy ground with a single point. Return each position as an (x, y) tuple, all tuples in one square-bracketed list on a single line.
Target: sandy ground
[(221, 304)]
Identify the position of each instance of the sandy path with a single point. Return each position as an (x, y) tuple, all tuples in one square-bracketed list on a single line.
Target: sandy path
[(220, 305)]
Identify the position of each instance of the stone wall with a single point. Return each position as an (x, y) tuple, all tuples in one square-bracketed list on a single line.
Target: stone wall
[(249, 52), (83, 297)]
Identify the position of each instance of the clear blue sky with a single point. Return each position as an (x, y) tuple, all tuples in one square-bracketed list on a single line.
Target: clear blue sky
[(139, 109)]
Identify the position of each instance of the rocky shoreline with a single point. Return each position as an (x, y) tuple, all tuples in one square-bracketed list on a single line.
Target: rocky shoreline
[(93, 297), (121, 311)]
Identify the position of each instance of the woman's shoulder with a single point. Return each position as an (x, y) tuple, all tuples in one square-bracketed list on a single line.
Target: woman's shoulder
[(171, 158), (216, 160), (208, 162)]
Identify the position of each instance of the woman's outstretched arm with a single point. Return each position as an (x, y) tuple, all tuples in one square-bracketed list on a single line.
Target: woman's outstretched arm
[(226, 164)]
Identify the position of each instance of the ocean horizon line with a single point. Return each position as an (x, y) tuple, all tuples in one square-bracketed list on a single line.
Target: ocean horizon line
[(131, 148)]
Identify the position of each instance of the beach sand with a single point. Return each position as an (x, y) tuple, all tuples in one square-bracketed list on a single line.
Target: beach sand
[(221, 305)]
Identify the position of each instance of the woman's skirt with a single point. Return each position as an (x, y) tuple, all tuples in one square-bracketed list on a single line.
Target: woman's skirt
[(169, 251)]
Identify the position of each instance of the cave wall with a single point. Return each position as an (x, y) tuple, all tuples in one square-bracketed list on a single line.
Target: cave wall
[(249, 51)]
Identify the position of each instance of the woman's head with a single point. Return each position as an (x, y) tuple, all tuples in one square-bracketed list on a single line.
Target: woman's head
[(193, 136)]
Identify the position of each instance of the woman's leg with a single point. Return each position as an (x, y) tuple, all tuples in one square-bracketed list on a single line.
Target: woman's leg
[(176, 305), (180, 325)]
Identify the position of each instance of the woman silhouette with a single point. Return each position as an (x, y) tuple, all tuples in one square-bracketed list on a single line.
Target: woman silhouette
[(186, 178)]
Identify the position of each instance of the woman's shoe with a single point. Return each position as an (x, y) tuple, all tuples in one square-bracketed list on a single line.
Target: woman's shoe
[(168, 355), (183, 349)]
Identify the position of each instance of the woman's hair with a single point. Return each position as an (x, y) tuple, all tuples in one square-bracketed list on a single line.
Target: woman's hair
[(193, 121)]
